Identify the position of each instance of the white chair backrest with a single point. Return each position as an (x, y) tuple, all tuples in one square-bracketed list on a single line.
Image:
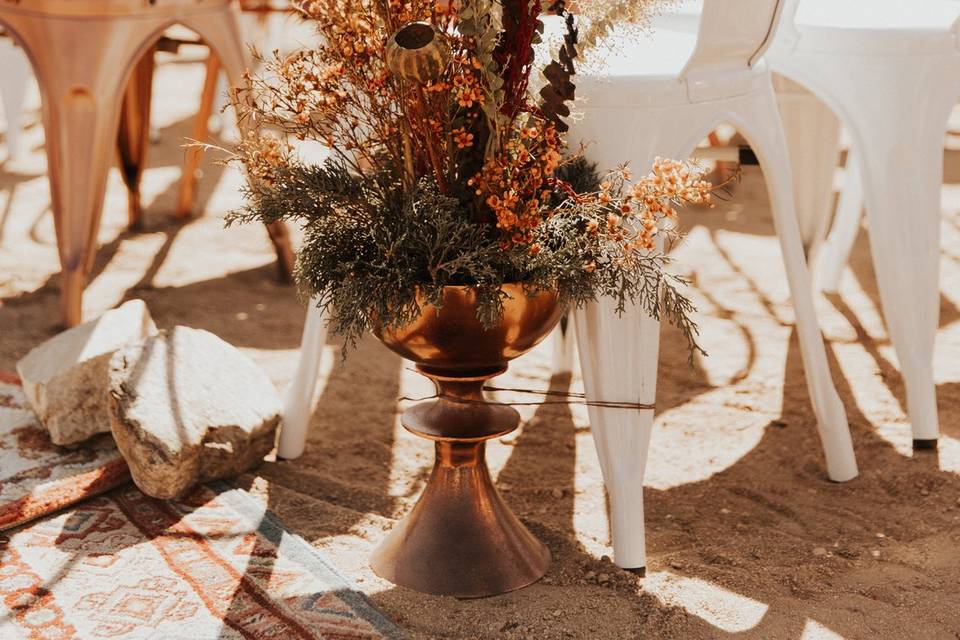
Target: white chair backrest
[(733, 34), (787, 31)]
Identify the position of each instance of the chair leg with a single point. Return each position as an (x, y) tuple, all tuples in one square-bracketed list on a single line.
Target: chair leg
[(835, 252), (80, 136), (563, 346), (81, 103), (13, 87), (618, 357), (81, 74), (761, 123), (133, 136), (221, 31), (903, 209), (813, 136), (619, 353), (222, 117), (299, 400), (201, 133)]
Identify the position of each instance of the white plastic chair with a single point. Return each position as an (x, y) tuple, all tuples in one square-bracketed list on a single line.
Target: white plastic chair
[(13, 87), (890, 69), (688, 85)]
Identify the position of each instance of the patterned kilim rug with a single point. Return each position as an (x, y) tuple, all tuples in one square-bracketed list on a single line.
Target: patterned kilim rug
[(36, 476), (214, 565), (120, 565)]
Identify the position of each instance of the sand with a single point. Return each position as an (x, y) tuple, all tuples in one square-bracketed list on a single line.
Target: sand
[(746, 535)]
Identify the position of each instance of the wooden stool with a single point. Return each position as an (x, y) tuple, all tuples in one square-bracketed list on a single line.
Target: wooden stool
[(85, 54)]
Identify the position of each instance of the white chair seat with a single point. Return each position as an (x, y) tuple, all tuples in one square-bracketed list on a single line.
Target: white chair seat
[(877, 26), (631, 91), (918, 16), (928, 22)]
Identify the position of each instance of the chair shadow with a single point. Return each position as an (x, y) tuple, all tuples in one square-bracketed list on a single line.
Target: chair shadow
[(343, 476), (544, 498), (680, 385), (861, 264), (248, 309), (9, 183), (29, 318)]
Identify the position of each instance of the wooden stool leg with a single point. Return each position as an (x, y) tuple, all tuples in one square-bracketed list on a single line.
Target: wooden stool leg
[(221, 31), (201, 133), (134, 132)]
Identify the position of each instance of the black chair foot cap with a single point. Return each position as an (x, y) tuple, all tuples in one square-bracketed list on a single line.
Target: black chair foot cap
[(924, 445), (640, 571)]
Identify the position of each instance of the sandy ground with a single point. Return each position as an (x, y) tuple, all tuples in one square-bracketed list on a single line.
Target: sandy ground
[(746, 535)]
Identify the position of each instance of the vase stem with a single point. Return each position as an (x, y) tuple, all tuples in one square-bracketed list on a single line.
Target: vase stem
[(461, 538)]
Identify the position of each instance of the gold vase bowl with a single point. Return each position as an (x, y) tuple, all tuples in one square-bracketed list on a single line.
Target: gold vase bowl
[(451, 338), (461, 539)]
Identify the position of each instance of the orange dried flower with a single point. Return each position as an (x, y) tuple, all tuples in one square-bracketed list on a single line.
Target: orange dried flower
[(462, 138)]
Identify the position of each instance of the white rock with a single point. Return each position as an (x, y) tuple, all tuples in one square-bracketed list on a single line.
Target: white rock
[(65, 378), (187, 407)]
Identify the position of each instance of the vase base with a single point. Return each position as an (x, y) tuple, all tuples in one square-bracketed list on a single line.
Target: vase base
[(461, 539)]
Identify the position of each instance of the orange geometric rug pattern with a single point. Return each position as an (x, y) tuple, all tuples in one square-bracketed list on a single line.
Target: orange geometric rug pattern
[(214, 564), (36, 476), (124, 566)]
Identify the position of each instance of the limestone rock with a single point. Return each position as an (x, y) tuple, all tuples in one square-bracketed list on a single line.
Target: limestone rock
[(187, 407), (65, 378)]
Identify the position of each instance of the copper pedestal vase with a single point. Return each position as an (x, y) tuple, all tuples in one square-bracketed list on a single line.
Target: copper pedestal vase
[(461, 539)]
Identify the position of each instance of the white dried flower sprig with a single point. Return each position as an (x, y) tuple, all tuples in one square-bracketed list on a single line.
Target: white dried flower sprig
[(602, 16)]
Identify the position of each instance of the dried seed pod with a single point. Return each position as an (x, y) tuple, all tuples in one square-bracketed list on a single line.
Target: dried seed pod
[(417, 52)]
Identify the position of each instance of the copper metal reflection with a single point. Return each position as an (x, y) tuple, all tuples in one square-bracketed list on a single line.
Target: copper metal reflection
[(461, 539)]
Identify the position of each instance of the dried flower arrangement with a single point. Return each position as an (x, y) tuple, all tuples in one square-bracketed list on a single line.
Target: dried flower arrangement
[(447, 170)]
